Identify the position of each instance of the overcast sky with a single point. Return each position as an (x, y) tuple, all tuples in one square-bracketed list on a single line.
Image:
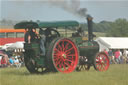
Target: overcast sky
[(100, 10)]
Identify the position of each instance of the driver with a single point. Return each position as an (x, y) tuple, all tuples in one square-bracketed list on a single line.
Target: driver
[(80, 32), (42, 41), (30, 35), (48, 34)]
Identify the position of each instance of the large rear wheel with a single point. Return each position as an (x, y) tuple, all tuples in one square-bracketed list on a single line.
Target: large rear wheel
[(101, 62), (63, 55)]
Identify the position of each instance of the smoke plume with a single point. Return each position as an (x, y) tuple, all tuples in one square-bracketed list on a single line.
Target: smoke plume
[(72, 6)]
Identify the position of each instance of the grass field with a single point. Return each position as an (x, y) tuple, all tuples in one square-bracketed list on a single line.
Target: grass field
[(116, 75)]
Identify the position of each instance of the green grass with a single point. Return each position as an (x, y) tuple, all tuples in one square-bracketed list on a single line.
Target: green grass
[(116, 75)]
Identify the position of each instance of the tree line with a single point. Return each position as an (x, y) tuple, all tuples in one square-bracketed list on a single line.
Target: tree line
[(117, 28)]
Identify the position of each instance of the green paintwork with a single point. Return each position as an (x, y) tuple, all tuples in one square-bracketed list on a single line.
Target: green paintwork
[(30, 25), (40, 60), (58, 24), (33, 46), (86, 48)]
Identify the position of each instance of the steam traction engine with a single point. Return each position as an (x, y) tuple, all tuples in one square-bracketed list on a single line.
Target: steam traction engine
[(64, 53)]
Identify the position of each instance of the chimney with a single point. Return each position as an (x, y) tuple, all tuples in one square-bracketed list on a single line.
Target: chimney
[(90, 28)]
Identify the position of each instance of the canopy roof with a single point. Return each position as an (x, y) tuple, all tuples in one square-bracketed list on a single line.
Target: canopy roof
[(23, 25), (58, 24), (113, 42)]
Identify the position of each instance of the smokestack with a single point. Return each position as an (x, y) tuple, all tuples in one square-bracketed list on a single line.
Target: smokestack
[(90, 28)]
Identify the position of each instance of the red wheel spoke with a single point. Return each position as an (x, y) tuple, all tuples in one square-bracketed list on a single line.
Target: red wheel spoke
[(61, 64), (56, 58), (56, 50), (70, 57), (104, 66), (56, 54), (69, 49), (58, 62), (70, 54), (100, 67), (64, 67), (97, 66), (66, 63), (63, 46), (66, 46), (68, 60), (59, 47)]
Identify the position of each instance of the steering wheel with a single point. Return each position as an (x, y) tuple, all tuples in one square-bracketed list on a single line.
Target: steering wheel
[(51, 34), (54, 33)]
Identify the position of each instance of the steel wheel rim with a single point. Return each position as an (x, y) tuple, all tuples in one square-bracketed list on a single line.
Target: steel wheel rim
[(65, 56), (102, 62)]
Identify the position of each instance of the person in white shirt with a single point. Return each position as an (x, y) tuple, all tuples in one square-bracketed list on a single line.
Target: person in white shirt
[(125, 56), (0, 59), (16, 63)]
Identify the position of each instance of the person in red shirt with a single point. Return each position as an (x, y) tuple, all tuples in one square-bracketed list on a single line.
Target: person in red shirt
[(106, 51), (3, 62), (117, 54)]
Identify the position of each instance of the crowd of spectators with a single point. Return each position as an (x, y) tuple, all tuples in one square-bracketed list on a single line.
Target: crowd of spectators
[(117, 56), (15, 60)]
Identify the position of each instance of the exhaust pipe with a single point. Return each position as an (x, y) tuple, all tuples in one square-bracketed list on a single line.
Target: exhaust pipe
[(90, 28)]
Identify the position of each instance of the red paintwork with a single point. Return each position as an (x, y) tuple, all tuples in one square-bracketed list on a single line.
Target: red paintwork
[(102, 62), (65, 56), (4, 41)]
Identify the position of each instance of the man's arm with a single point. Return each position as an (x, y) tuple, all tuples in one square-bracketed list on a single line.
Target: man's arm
[(29, 38)]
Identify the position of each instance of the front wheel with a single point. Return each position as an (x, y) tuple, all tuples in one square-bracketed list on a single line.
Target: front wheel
[(101, 61)]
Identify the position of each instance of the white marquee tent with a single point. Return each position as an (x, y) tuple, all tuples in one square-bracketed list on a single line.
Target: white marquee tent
[(16, 45), (112, 43)]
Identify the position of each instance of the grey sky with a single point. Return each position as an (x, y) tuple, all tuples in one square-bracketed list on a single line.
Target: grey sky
[(35, 10)]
